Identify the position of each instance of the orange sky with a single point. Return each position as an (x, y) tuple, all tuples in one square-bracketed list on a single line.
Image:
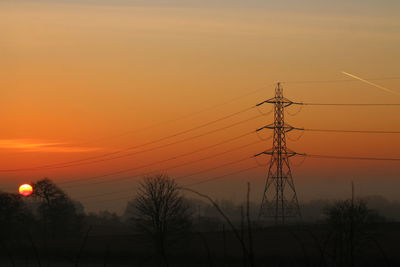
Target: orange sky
[(76, 75)]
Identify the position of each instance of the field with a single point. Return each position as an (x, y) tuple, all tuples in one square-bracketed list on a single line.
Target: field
[(295, 245)]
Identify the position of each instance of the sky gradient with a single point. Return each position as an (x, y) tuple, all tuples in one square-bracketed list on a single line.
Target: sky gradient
[(83, 78)]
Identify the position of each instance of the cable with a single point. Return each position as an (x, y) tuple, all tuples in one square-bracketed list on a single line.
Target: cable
[(296, 112), (264, 113), (170, 168), (78, 163), (301, 162), (348, 157), (132, 147), (157, 162), (328, 130), (255, 167), (258, 163), (345, 104), (331, 157), (200, 182), (347, 131), (342, 80), (288, 102), (223, 176), (177, 178), (184, 116), (296, 138), (263, 138), (215, 168), (162, 146)]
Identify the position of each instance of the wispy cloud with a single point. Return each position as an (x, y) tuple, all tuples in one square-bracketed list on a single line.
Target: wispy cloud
[(30, 145)]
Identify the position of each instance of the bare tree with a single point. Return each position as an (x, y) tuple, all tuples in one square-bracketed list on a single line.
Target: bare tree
[(46, 191), (160, 210), (351, 223), (56, 210)]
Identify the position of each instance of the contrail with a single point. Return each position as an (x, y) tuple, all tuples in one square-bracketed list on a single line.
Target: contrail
[(370, 83)]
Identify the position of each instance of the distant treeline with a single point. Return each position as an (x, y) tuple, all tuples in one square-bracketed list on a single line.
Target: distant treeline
[(53, 212), (167, 225)]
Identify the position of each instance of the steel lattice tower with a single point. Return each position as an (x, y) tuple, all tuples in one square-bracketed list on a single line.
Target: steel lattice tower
[(279, 198)]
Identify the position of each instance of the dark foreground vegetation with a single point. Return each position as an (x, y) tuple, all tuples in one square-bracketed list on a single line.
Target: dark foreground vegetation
[(162, 227)]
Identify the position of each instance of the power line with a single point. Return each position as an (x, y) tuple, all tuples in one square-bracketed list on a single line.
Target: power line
[(214, 168), (348, 157), (288, 103), (347, 131), (85, 161), (288, 128), (248, 169), (179, 177), (307, 155), (172, 167), (192, 184), (223, 176), (168, 168), (292, 153), (157, 162), (163, 146), (187, 115), (137, 146), (341, 80), (345, 104)]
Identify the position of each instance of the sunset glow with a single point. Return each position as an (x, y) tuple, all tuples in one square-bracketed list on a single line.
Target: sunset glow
[(199, 132), (25, 190), (93, 88)]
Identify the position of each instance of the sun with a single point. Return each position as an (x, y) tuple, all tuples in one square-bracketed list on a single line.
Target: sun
[(25, 190)]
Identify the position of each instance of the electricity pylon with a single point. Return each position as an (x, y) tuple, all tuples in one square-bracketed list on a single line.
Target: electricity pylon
[(279, 199)]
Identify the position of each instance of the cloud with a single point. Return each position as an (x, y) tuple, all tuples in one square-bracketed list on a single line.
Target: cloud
[(30, 145)]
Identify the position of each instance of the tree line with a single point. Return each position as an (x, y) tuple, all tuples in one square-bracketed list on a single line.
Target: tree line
[(161, 211)]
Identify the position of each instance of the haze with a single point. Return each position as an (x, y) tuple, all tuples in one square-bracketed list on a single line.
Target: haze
[(82, 78)]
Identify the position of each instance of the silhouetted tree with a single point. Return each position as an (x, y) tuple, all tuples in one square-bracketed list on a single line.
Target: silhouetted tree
[(160, 210), (57, 212), (14, 214), (351, 223)]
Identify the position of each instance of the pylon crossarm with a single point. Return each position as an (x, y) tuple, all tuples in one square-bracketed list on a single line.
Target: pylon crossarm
[(262, 153), (289, 155), (287, 102), (266, 101), (276, 100), (299, 129), (286, 127), (293, 153), (298, 103), (280, 101), (269, 126), (259, 154)]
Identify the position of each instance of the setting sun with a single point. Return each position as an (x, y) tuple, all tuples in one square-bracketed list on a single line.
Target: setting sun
[(25, 190)]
